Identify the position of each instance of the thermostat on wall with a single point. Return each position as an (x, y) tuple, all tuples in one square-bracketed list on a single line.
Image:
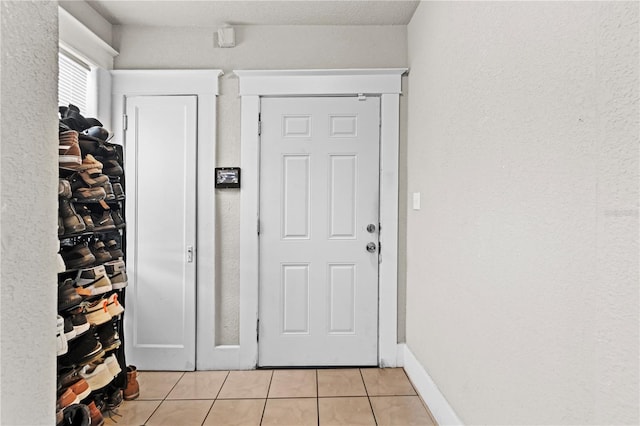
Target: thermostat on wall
[(227, 177)]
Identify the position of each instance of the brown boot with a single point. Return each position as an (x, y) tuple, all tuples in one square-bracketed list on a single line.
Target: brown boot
[(132, 391), (96, 415)]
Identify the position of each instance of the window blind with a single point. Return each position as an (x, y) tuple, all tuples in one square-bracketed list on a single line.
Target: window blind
[(73, 76)]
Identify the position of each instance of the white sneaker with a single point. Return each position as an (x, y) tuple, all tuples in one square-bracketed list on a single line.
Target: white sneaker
[(93, 281), (97, 312), (60, 261), (117, 273), (98, 376), (112, 364), (61, 340), (113, 306)]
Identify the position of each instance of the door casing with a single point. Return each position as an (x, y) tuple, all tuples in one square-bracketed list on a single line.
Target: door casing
[(204, 84), (256, 84)]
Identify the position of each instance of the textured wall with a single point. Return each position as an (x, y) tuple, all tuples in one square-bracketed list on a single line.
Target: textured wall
[(28, 215), (258, 47), (522, 277)]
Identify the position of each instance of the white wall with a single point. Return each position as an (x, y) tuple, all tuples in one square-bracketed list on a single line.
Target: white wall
[(90, 18), (258, 47), (28, 215), (522, 278)]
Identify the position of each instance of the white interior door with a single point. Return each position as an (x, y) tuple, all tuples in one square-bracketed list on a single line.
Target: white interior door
[(160, 142), (319, 210)]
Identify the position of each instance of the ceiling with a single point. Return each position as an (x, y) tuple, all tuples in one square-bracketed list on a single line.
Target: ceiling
[(208, 13)]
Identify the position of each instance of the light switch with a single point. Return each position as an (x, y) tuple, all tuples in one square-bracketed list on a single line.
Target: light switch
[(416, 201)]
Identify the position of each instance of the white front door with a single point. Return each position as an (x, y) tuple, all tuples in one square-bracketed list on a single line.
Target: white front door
[(160, 144), (319, 215)]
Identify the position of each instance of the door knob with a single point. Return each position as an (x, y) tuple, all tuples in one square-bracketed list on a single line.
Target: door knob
[(371, 228), (371, 247)]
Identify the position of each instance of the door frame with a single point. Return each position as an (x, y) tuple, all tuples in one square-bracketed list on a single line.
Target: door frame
[(254, 84), (204, 84)]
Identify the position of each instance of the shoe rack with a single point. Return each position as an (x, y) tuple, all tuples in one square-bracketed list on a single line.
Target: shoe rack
[(92, 370)]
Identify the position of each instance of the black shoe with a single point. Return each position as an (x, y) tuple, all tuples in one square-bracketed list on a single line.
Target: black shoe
[(76, 415), (82, 350), (114, 249), (114, 398), (117, 219), (100, 252), (118, 191), (102, 221), (72, 118), (108, 336), (80, 323), (68, 298), (108, 189), (68, 376), (112, 168), (77, 256), (98, 132), (69, 331)]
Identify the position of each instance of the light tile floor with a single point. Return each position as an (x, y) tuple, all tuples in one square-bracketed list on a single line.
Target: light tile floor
[(365, 396)]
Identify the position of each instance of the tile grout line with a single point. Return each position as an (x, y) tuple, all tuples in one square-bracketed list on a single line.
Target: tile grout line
[(164, 399), (264, 408), (424, 404), (214, 399), (317, 398), (368, 397)]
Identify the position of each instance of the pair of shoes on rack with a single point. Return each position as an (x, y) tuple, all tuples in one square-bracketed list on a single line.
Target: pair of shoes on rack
[(100, 373), (70, 118), (69, 154), (76, 220), (75, 415), (77, 256), (82, 350)]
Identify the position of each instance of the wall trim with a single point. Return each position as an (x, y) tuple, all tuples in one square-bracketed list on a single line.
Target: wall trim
[(440, 408), (77, 38), (320, 82), (253, 85)]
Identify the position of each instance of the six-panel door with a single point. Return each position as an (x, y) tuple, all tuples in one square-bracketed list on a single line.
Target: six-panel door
[(319, 195)]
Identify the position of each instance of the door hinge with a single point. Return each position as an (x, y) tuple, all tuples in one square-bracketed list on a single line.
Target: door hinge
[(259, 124), (258, 330), (362, 97), (379, 252), (258, 227), (125, 122)]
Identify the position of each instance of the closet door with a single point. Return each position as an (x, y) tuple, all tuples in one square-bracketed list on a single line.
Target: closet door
[(160, 138)]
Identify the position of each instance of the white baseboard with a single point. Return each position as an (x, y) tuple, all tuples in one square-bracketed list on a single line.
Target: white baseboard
[(425, 386), (224, 357), (400, 348)]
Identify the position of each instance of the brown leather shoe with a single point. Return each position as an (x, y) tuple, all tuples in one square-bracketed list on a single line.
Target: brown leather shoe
[(96, 415), (132, 391), (68, 397), (81, 388)]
